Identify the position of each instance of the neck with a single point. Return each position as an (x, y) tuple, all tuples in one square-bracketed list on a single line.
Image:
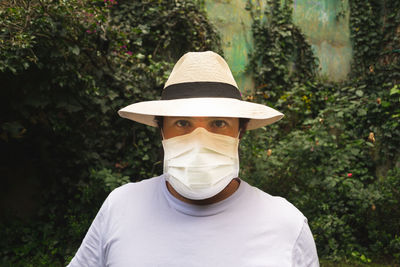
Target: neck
[(225, 193)]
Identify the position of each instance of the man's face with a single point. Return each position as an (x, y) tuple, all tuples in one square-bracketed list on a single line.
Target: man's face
[(175, 126)]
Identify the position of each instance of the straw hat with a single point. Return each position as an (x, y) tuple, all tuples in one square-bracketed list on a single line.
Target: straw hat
[(201, 85)]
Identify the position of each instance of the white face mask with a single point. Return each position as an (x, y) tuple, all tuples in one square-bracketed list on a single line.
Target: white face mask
[(200, 164)]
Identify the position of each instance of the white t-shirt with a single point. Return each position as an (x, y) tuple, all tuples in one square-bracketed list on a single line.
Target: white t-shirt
[(142, 224)]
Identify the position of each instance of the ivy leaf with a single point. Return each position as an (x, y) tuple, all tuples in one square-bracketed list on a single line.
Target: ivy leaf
[(75, 50), (111, 95), (369, 144), (394, 90), (362, 112)]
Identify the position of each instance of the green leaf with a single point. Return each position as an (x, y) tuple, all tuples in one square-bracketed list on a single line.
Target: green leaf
[(112, 95), (369, 144), (75, 50), (362, 112), (394, 90), (359, 93)]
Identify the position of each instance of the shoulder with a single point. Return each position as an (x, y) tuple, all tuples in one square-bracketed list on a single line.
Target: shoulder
[(138, 186), (278, 212), (132, 193), (277, 206)]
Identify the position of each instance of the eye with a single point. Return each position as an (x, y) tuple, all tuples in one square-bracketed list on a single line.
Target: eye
[(219, 123), (182, 123)]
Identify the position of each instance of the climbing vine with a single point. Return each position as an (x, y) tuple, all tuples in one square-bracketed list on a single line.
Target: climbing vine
[(335, 153), (66, 67), (374, 27), (281, 55)]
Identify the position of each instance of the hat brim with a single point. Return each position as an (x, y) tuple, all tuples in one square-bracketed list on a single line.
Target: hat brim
[(144, 112)]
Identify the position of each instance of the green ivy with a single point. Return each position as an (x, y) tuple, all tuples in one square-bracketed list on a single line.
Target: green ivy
[(335, 153), (66, 68), (281, 55)]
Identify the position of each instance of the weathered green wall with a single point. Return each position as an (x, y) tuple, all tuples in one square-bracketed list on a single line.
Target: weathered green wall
[(324, 22), (326, 25), (234, 25)]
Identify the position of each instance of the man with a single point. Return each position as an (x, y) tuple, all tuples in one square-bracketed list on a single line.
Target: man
[(198, 213)]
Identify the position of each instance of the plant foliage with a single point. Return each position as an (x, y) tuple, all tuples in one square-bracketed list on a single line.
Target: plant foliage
[(66, 67), (335, 154)]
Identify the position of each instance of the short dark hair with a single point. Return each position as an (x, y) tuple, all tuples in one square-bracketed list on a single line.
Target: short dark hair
[(242, 122)]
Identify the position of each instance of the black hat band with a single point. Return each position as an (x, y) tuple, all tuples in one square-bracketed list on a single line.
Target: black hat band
[(200, 89)]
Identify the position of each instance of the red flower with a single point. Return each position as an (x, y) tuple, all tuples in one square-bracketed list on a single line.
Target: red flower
[(349, 175)]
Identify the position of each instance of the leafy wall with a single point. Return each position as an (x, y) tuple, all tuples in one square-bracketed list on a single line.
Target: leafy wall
[(67, 67), (335, 154), (325, 24), (65, 70)]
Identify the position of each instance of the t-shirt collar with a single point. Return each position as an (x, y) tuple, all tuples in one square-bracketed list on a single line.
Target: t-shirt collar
[(201, 210)]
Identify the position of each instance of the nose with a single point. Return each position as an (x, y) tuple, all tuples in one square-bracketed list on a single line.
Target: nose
[(200, 123)]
